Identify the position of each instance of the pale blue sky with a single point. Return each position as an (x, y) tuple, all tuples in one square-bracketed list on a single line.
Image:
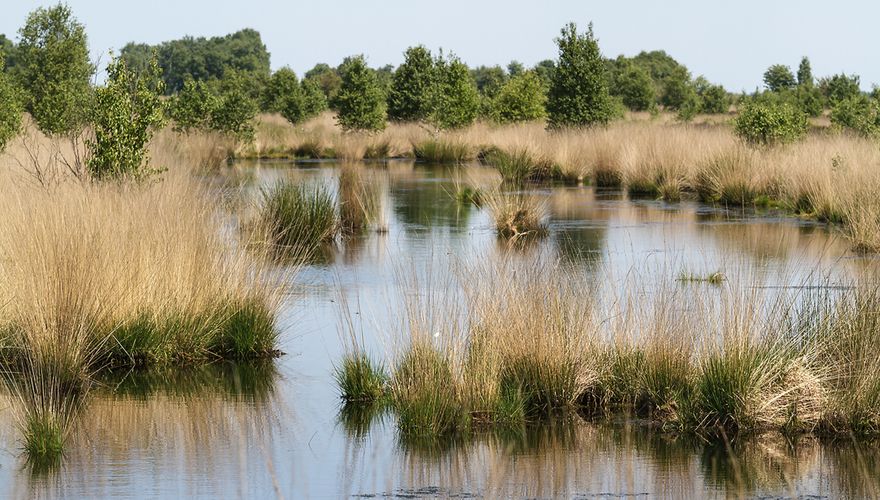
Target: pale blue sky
[(730, 43)]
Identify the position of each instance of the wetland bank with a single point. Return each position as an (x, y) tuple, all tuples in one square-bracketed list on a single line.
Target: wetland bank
[(577, 279)]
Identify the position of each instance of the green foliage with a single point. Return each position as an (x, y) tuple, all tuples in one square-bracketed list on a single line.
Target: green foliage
[(633, 84), (578, 94), (810, 100), (192, 107), (545, 69), (713, 98), (280, 85), (203, 58), (805, 73), (779, 77), (691, 105), (770, 124), (53, 69), (521, 99), (840, 87), (10, 109), (128, 109), (454, 98), (859, 114), (7, 53), (360, 102), (410, 96), (677, 89), (235, 108), (359, 379), (327, 79), (299, 217), (296, 101), (489, 79)]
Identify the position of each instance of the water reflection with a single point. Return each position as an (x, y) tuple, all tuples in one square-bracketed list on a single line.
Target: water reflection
[(263, 430)]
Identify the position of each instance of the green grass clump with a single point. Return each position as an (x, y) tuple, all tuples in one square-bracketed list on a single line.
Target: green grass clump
[(469, 195), (515, 166), (424, 394), (360, 380), (540, 386), (299, 217), (643, 187), (43, 439), (378, 150), (442, 151)]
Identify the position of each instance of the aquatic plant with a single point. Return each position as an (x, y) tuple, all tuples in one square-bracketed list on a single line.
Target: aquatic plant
[(298, 216), (359, 379)]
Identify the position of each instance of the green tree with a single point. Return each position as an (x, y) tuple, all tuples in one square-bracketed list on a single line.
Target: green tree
[(301, 100), (713, 98), (767, 123), (281, 84), (578, 94), (515, 68), (327, 79), (805, 73), (545, 70), (454, 98), (128, 109), (360, 102), (677, 89), (192, 107), (10, 109), (489, 79), (840, 87), (521, 99), (53, 69), (204, 58), (857, 113), (7, 53), (410, 96), (235, 108), (779, 77), (634, 86)]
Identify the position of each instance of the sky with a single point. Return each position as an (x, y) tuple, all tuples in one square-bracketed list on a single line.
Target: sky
[(731, 43)]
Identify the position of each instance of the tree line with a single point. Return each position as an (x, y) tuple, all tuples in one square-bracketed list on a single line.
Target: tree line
[(221, 83)]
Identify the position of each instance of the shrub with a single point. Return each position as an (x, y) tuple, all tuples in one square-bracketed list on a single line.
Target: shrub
[(769, 124), (454, 98), (53, 68), (859, 114), (840, 87), (360, 101), (521, 99), (128, 109), (410, 96), (578, 94), (10, 110), (713, 99)]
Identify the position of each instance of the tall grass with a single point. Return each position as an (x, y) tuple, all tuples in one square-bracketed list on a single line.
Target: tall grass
[(514, 214), (100, 275), (533, 340), (298, 216)]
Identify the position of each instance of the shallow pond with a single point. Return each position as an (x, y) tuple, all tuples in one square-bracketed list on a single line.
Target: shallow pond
[(276, 429)]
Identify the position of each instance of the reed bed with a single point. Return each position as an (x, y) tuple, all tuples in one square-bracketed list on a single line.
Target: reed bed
[(518, 341), (821, 177), (102, 275)]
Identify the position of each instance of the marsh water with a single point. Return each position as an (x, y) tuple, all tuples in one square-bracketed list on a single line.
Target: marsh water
[(275, 429)]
